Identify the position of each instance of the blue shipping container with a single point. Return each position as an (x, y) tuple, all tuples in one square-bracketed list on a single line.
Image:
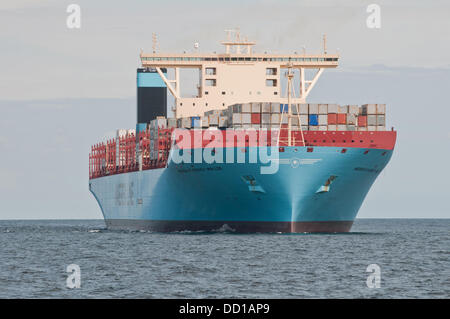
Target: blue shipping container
[(313, 119), (140, 127), (284, 108), (195, 121)]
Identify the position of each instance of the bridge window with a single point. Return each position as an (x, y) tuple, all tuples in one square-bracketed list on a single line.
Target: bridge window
[(210, 71), (271, 71), (271, 82), (210, 82)]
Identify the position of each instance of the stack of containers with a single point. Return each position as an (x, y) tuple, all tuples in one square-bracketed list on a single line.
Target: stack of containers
[(332, 117), (352, 117), (341, 117), (323, 117), (265, 115), (120, 156), (155, 126), (313, 117), (375, 117)]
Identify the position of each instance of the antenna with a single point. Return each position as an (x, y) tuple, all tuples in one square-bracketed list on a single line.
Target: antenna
[(196, 45), (154, 42), (324, 44)]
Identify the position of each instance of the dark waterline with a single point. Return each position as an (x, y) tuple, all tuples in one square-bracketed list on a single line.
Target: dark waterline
[(413, 255)]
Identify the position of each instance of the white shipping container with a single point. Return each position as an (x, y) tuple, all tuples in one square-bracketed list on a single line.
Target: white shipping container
[(372, 128), (236, 119), (256, 107), (204, 120), (371, 120), (342, 109), (351, 118), (284, 119), (323, 108), (246, 108), (265, 118), (362, 129), (341, 127), (381, 120), (323, 119), (294, 121), (275, 108), (304, 109), (223, 121), (323, 127), (351, 128), (332, 127), (246, 118), (381, 128), (313, 128), (353, 109), (265, 108), (313, 108), (332, 108), (305, 127), (381, 108), (186, 122), (304, 119), (213, 119), (275, 118), (369, 109), (295, 109), (171, 123)]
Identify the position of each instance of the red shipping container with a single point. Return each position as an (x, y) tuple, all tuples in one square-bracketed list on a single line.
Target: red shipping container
[(341, 118), (362, 120), (256, 118), (332, 119)]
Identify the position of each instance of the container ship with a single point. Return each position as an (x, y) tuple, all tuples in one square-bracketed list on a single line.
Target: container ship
[(246, 153)]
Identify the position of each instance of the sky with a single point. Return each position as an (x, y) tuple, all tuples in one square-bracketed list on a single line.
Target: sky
[(63, 89)]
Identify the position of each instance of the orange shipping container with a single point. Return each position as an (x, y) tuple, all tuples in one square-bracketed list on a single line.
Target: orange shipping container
[(341, 118), (332, 119), (256, 118), (362, 120)]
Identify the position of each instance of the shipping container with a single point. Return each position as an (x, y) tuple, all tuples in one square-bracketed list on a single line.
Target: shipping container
[(323, 119), (332, 119), (313, 120), (372, 128), (265, 118), (362, 120), (371, 120), (275, 108), (284, 108), (265, 108), (342, 109), (304, 119), (196, 122), (171, 123), (313, 108), (332, 108), (323, 109), (323, 127), (369, 109), (381, 108), (351, 119), (246, 118), (223, 121), (381, 120), (246, 108), (332, 127), (341, 118), (304, 109), (313, 128), (256, 118), (353, 109), (236, 118), (275, 118), (295, 109), (341, 127), (351, 127), (256, 107)]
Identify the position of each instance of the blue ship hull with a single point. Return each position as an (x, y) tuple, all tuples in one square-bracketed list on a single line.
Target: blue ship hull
[(238, 197)]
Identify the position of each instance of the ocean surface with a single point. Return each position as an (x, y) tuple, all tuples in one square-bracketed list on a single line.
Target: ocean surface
[(413, 256)]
